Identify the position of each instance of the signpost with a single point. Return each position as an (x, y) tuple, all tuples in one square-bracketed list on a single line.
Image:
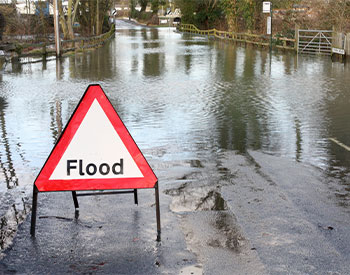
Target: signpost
[(95, 152), (267, 8)]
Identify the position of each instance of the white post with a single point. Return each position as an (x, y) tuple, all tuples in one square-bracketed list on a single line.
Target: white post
[(57, 29)]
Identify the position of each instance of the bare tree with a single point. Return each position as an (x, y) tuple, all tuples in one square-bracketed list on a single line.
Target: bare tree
[(67, 23)]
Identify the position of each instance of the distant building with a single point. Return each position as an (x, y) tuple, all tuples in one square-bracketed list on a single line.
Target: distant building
[(26, 7)]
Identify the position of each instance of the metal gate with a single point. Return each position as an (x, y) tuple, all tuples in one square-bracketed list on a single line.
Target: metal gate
[(315, 42)]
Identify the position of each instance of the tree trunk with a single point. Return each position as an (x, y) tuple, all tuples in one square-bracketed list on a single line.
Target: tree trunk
[(62, 20), (98, 21), (143, 4), (69, 20)]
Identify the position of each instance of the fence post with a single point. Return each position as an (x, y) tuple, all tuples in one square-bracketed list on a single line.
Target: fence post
[(347, 44), (296, 37), (337, 41), (44, 51)]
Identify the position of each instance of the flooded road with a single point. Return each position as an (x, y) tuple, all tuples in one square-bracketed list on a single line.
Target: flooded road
[(190, 104)]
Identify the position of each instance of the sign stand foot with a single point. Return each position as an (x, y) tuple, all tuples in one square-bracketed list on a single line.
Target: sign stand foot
[(135, 197), (75, 199), (157, 211), (34, 208)]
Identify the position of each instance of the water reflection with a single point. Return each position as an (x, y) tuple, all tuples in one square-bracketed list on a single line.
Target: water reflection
[(95, 66), (16, 66), (188, 94), (6, 161), (56, 125)]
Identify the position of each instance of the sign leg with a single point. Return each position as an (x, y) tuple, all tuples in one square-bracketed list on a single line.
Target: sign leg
[(34, 207), (75, 199), (157, 211), (135, 197)]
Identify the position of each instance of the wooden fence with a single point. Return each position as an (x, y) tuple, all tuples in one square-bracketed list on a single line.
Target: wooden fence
[(48, 48), (306, 41), (248, 38)]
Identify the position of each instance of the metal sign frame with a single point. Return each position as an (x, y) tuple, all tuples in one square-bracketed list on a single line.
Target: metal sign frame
[(114, 186)]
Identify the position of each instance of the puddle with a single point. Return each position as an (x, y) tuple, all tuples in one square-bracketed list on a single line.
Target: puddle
[(195, 199), (228, 235), (213, 201), (196, 163), (10, 220), (191, 270), (176, 191)]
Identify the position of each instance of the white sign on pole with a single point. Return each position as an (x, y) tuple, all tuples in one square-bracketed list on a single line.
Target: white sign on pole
[(266, 7), (338, 51), (268, 25)]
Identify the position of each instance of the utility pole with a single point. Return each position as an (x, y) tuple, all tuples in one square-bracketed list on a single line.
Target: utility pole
[(57, 28)]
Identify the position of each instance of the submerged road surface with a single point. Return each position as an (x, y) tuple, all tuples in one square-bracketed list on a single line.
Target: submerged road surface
[(250, 153), (244, 214)]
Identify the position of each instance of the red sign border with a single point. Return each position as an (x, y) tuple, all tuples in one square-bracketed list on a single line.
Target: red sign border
[(44, 184)]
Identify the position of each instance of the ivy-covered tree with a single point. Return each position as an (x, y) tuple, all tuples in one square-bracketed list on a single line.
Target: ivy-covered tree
[(156, 4), (204, 13), (246, 15), (188, 10), (67, 21), (92, 15), (231, 10), (143, 4)]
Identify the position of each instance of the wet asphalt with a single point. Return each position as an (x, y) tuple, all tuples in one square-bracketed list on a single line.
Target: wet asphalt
[(109, 235), (241, 214)]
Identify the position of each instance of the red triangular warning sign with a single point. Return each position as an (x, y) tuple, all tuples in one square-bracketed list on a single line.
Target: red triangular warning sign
[(95, 152)]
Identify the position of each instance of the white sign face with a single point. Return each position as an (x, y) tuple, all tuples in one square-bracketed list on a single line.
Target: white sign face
[(338, 51), (266, 7), (268, 25), (96, 151)]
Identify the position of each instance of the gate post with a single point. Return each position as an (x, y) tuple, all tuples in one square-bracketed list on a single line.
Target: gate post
[(347, 45), (296, 36)]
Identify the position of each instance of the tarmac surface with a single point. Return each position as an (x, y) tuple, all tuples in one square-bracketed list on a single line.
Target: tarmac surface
[(242, 214)]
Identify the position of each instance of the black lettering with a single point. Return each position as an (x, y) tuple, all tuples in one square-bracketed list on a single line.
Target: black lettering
[(81, 173), (107, 169), (69, 166), (121, 168), (94, 169)]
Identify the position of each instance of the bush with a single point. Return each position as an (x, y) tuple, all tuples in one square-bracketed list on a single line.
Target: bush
[(15, 24), (143, 16)]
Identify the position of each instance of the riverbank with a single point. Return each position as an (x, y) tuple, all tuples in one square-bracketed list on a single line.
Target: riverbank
[(18, 50)]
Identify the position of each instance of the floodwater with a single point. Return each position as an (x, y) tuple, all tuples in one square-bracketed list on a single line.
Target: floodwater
[(188, 96)]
